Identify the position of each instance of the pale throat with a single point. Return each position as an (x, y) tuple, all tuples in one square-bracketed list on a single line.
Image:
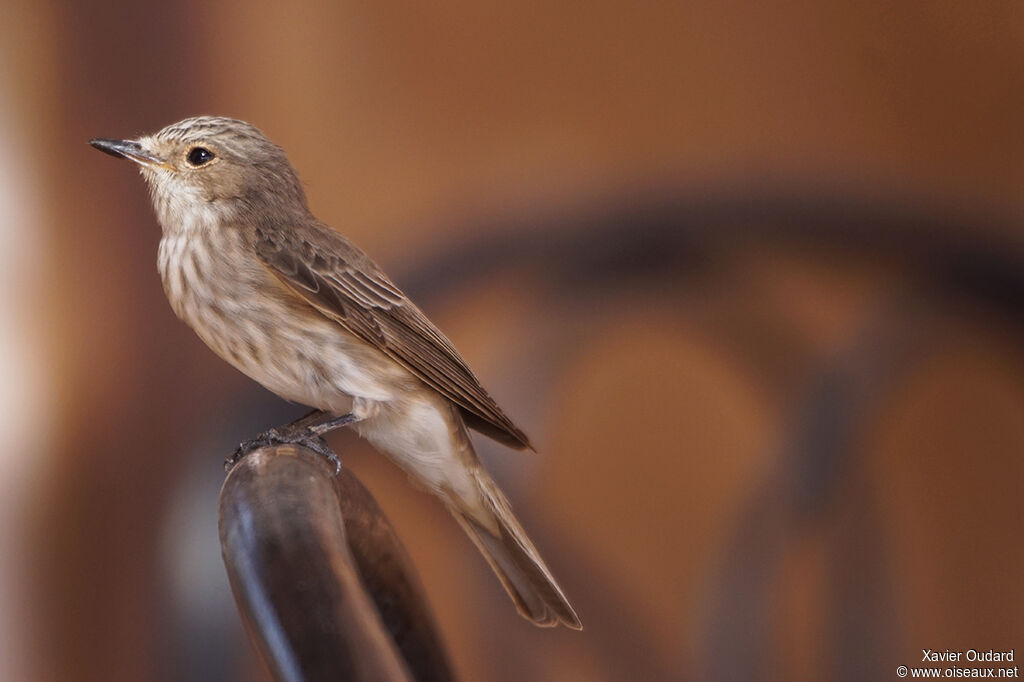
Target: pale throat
[(180, 208)]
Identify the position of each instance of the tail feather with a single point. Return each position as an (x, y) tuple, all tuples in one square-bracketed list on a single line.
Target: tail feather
[(514, 559)]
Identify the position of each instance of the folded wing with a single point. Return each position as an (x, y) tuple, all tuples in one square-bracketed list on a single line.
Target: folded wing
[(342, 283)]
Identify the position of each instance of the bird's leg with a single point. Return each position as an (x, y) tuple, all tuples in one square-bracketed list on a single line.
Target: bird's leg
[(300, 428), (319, 422), (314, 424), (332, 423), (311, 417), (306, 431)]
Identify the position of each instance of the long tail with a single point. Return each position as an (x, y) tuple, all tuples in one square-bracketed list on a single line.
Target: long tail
[(515, 560)]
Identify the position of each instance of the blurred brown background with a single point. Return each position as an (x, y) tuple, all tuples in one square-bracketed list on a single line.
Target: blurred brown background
[(751, 275)]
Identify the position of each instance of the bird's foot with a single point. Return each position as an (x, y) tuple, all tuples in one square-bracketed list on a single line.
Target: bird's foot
[(304, 436)]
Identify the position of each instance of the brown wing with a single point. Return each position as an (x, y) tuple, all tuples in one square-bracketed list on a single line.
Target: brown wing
[(341, 282)]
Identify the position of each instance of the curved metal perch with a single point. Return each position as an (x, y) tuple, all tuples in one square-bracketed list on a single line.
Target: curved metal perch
[(323, 585)]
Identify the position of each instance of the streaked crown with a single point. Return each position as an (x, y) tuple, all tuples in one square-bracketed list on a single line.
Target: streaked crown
[(215, 169)]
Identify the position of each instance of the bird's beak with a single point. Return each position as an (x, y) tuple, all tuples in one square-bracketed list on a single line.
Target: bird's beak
[(128, 149)]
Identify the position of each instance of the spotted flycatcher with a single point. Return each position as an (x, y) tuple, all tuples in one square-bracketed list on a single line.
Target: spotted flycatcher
[(300, 309)]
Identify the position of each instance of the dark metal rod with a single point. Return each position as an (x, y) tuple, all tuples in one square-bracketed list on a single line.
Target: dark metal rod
[(321, 581)]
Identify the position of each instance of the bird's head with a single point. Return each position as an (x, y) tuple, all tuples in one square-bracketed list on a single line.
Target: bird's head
[(211, 170)]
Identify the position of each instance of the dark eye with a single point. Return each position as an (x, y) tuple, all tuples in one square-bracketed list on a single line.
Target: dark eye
[(197, 156)]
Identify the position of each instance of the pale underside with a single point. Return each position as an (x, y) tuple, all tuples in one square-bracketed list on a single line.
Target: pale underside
[(254, 317)]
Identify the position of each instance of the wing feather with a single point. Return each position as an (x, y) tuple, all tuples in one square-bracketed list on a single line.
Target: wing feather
[(342, 283)]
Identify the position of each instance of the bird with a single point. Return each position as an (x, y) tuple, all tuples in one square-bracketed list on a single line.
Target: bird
[(300, 309)]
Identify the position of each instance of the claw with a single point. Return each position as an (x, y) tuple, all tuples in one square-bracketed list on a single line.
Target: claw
[(277, 436), (320, 446)]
